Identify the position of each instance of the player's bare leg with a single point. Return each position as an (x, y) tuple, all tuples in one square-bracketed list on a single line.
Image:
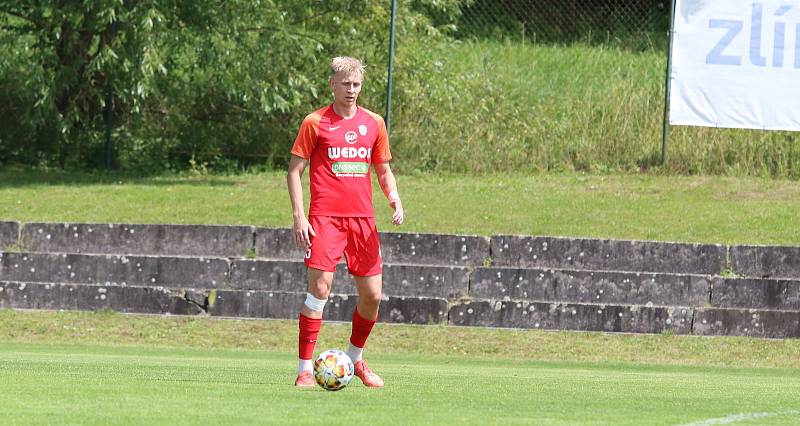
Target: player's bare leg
[(364, 317), (319, 288)]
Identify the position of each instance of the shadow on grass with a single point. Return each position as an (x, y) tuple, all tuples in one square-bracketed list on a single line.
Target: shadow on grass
[(20, 177)]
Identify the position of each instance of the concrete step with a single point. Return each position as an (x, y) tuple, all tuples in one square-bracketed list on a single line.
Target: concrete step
[(578, 286), (753, 293), (399, 279), (87, 297), (9, 234), (229, 241), (773, 324), (766, 262), (340, 307), (210, 273), (133, 239), (607, 255), (760, 323), (151, 271), (627, 288), (573, 316), (410, 310), (409, 248), (224, 302), (446, 282)]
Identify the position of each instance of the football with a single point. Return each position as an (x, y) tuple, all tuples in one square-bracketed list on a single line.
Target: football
[(333, 370)]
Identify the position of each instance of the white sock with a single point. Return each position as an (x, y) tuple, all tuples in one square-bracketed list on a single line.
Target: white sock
[(355, 353), (304, 365)]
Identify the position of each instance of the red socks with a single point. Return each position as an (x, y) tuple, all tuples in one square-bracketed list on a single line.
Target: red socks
[(309, 330), (361, 329)]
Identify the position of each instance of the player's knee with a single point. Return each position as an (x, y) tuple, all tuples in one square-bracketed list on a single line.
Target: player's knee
[(372, 299), (320, 287), (320, 291)]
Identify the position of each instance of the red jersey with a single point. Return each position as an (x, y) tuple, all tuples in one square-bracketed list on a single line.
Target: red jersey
[(342, 152)]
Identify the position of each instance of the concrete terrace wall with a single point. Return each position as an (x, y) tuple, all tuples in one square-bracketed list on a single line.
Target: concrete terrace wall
[(766, 262), (172, 240), (502, 281), (9, 234), (608, 255)]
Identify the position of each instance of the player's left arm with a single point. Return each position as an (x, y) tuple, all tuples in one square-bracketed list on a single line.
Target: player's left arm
[(389, 186)]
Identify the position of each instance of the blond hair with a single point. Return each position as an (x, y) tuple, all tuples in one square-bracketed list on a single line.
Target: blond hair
[(346, 65)]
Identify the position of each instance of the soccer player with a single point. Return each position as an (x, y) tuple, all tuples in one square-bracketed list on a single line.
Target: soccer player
[(341, 143)]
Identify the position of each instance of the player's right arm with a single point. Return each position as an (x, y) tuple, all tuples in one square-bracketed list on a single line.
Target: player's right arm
[(301, 229)]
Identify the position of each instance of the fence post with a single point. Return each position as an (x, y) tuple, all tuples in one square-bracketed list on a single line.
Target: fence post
[(108, 116), (391, 69), (667, 91)]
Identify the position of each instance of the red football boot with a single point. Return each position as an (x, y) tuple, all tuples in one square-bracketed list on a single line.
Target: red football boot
[(366, 375), (304, 380)]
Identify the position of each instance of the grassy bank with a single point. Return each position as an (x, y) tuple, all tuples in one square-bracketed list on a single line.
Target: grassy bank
[(688, 209), (514, 107)]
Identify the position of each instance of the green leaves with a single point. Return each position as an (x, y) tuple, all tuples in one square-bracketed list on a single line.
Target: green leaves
[(208, 80)]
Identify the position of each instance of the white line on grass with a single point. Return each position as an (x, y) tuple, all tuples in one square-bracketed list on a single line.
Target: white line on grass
[(733, 418)]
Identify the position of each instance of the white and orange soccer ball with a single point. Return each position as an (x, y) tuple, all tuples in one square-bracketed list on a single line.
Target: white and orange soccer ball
[(333, 370)]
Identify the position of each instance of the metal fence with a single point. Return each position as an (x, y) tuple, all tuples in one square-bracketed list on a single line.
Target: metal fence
[(563, 20), (507, 70)]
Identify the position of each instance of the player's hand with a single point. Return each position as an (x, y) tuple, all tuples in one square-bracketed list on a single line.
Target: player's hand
[(398, 216), (303, 233)]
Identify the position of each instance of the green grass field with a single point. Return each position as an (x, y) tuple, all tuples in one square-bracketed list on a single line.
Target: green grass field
[(139, 385), (108, 368)]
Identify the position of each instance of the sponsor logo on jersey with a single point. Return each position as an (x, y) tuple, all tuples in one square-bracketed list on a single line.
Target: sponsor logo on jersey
[(346, 167), (335, 152), (351, 137), (362, 129)]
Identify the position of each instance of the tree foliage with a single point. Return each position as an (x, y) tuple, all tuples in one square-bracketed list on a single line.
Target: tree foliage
[(217, 82)]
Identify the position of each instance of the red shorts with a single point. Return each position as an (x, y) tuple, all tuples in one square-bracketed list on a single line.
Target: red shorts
[(356, 237)]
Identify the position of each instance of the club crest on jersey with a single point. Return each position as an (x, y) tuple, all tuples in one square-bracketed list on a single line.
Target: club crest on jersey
[(351, 137), (362, 129)]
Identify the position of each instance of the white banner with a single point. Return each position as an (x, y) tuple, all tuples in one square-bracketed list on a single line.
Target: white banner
[(736, 64)]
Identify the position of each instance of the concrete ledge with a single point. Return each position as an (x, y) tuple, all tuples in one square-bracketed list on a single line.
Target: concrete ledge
[(9, 234), (434, 249), (275, 275), (398, 280), (570, 316), (286, 305), (747, 322), (620, 288), (756, 294), (175, 272), (396, 247), (449, 282), (766, 262), (607, 255), (21, 295), (276, 243), (170, 240)]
